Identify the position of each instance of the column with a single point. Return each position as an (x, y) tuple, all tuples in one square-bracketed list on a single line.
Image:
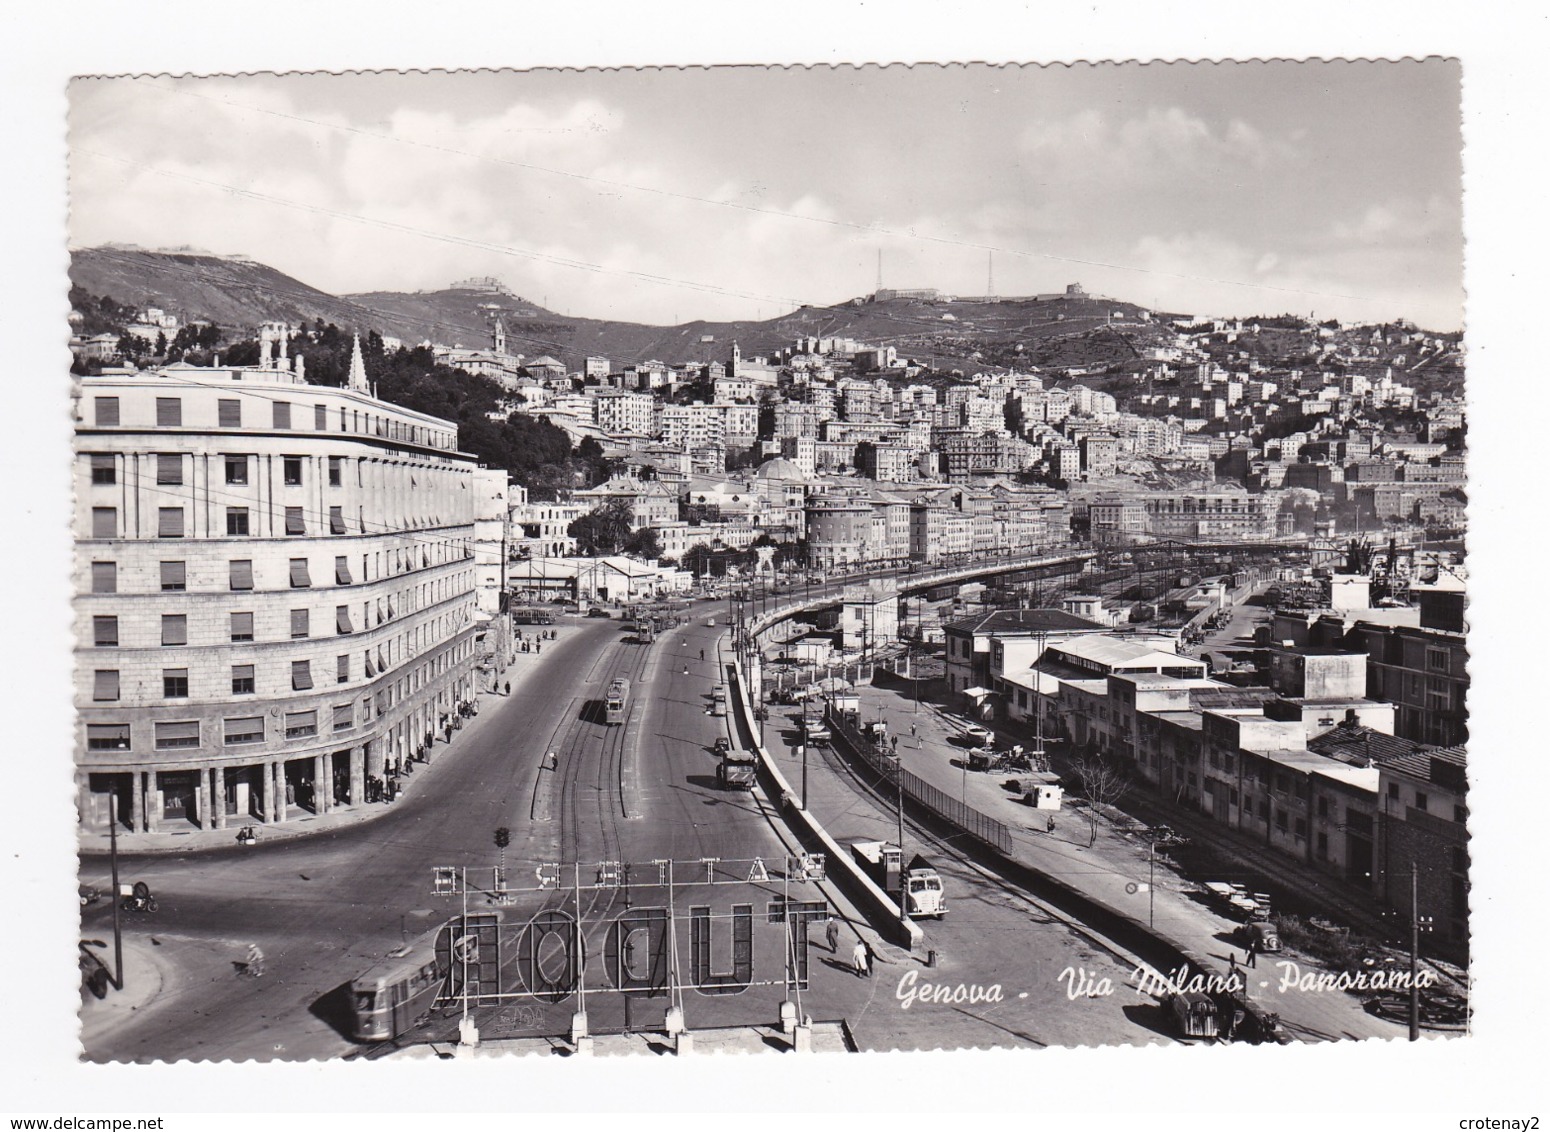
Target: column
[(202, 799), (218, 795), (357, 776), (86, 803), (322, 784), (281, 806), (137, 801), (269, 800)]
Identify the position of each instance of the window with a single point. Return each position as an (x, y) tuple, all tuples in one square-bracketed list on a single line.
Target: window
[(336, 520), (1420, 801), (335, 471), (169, 412), (242, 680), (344, 717), (174, 577), (107, 736), (105, 685), (106, 410), (370, 669), (1394, 791), (174, 629), (294, 523), (242, 626), (1323, 807), (169, 470), (1300, 827), (1436, 660), (301, 577), (1323, 849), (169, 522), (171, 736), (104, 522), (237, 469), (293, 471), (104, 470), (105, 632), (229, 412), (236, 520), (282, 414), (241, 573), (301, 675), (300, 624), (320, 417), (104, 577), (342, 571), (342, 619), (245, 729), (174, 683), (1461, 814), (300, 724), (342, 670)]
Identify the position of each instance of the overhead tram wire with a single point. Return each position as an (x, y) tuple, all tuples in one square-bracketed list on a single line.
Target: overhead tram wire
[(832, 222)]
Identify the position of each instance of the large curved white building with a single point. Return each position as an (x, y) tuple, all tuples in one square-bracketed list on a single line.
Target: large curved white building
[(274, 593)]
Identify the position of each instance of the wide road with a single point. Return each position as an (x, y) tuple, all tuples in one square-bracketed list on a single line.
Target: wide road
[(326, 908)]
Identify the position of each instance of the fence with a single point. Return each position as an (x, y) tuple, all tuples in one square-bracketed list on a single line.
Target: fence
[(982, 827)]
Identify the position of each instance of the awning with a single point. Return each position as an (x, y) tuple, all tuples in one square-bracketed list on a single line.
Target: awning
[(977, 693)]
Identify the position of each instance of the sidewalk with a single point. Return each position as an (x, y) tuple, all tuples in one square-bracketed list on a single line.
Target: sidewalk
[(827, 1037), (186, 837), (1113, 872)]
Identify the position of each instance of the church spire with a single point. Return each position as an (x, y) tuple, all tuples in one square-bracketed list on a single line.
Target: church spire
[(358, 380)]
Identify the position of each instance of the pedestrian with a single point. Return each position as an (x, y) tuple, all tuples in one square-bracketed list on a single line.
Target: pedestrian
[(871, 958), (255, 963), (831, 932), (858, 958), (702, 654), (538, 648), (1251, 953), (896, 744), (1232, 965), (449, 733), (912, 731), (1049, 826), (508, 687)]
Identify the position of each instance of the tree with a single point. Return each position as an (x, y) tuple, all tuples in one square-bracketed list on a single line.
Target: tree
[(644, 543), (605, 528), (1101, 784), (696, 559)]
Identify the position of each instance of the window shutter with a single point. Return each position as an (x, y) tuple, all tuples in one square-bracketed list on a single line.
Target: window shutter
[(299, 623), (105, 632), (242, 574), (242, 626), (169, 522), (106, 409), (106, 685), (344, 717), (320, 417), (230, 412), (370, 669), (342, 571), (169, 412), (336, 520), (246, 729), (169, 469), (104, 522), (104, 469), (301, 577), (301, 675), (107, 736), (342, 619), (342, 669), (174, 629), (179, 734), (174, 576), (282, 414), (104, 577), (294, 523)]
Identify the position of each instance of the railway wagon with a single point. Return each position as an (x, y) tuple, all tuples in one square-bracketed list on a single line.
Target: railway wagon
[(616, 704), (393, 996)]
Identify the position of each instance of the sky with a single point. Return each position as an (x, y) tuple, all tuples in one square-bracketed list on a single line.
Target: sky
[(671, 195)]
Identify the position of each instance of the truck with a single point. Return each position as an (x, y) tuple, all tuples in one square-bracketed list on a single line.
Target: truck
[(922, 893), (737, 770)]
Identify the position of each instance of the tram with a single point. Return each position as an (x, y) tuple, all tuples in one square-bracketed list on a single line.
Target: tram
[(396, 994), (617, 703)]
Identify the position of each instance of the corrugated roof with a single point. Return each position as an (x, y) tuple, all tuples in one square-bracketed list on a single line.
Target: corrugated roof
[(1359, 742)]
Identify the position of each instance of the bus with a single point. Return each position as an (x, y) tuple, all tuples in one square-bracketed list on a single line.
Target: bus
[(531, 617), (617, 703)]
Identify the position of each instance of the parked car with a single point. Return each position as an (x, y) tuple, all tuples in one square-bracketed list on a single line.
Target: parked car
[(596, 612), (978, 735)]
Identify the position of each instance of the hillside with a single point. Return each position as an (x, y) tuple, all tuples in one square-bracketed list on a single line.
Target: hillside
[(238, 294)]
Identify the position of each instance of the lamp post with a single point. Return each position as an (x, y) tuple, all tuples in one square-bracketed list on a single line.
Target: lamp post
[(118, 938)]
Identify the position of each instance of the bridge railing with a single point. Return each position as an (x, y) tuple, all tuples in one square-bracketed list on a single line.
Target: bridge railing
[(978, 825)]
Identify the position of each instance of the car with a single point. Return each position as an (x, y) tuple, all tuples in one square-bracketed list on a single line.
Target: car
[(723, 745), (978, 735), (596, 612)]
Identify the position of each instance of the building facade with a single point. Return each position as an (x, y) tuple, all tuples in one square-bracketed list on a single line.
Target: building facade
[(274, 593)]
